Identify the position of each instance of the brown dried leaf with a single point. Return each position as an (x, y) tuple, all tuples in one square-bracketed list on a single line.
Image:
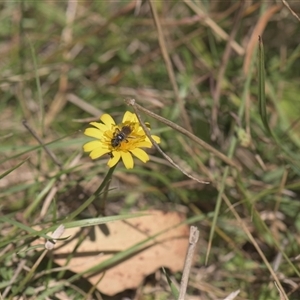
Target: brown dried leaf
[(169, 252)]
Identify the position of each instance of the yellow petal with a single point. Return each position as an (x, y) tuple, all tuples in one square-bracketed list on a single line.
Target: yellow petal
[(135, 118), (156, 138), (90, 146), (143, 144), (107, 120), (114, 160), (127, 160), (140, 154), (127, 116), (93, 132), (98, 152), (100, 126)]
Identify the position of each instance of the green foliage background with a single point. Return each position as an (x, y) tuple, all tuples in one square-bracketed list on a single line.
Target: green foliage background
[(64, 63)]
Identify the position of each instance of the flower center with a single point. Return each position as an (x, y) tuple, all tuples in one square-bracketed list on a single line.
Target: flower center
[(122, 135)]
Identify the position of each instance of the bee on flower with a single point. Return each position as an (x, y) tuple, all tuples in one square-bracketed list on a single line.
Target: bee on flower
[(121, 141)]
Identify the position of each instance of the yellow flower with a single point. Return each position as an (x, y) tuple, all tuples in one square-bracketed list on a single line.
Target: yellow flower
[(119, 140)]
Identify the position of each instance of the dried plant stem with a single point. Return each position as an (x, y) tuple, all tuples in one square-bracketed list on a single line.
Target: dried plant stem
[(168, 158), (209, 148), (48, 151), (169, 66), (291, 11), (194, 236), (17, 272)]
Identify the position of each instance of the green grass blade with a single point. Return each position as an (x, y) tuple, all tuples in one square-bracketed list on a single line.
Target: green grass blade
[(261, 87), (12, 169), (172, 286)]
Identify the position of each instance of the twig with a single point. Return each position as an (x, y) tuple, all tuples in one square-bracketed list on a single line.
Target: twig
[(194, 236), (168, 158), (17, 272), (289, 8), (48, 151), (209, 148)]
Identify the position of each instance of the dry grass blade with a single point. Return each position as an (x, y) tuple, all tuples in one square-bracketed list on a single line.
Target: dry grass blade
[(84, 105), (169, 66), (48, 151), (285, 3), (60, 98), (214, 26), (258, 31), (232, 295), (194, 236), (255, 244), (169, 159), (197, 140)]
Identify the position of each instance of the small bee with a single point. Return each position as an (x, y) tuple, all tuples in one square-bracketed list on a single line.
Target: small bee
[(120, 136)]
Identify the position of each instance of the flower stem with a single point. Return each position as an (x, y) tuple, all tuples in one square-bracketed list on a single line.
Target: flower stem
[(104, 183)]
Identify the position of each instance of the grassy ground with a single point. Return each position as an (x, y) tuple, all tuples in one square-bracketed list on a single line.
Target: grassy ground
[(197, 64)]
